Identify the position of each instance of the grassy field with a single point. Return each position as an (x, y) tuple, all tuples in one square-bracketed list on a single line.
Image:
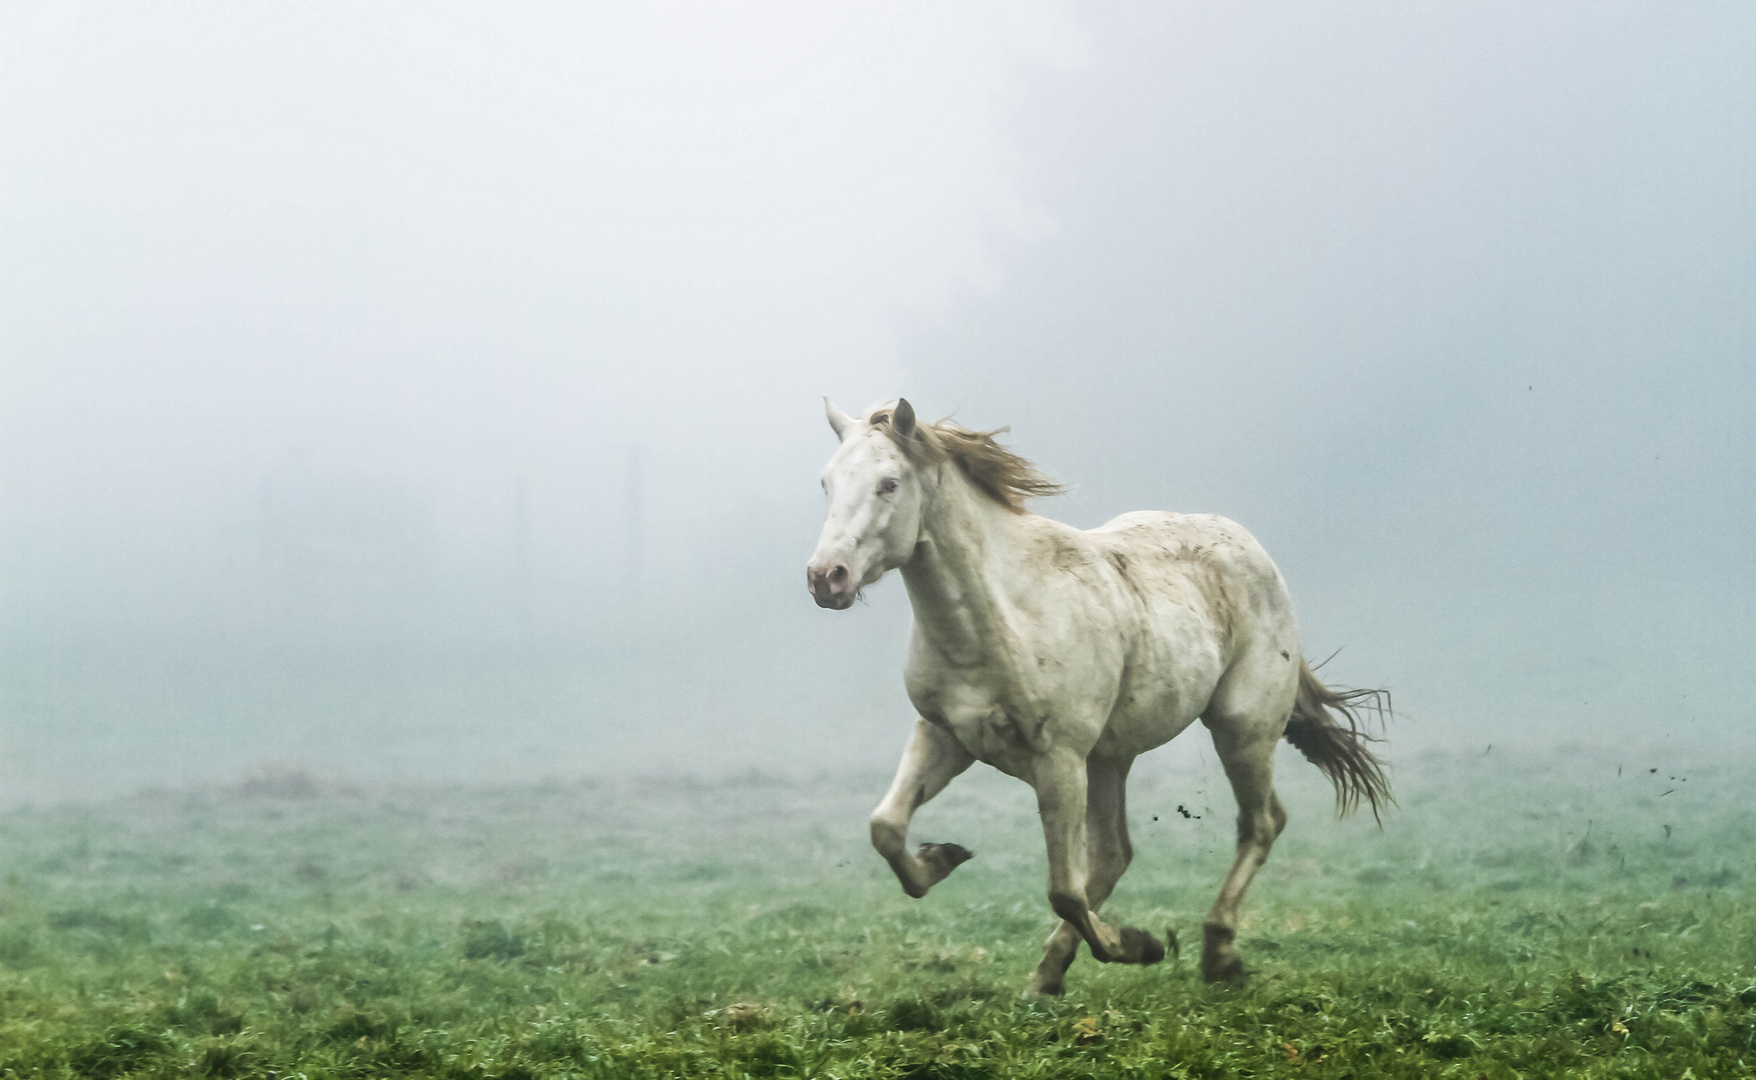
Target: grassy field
[(1512, 919)]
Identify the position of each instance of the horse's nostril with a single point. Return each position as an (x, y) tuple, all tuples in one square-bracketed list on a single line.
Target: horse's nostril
[(838, 578)]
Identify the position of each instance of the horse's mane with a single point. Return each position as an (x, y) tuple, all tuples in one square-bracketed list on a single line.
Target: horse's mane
[(999, 473)]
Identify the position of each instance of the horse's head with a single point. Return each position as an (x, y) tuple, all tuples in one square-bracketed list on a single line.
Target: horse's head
[(874, 492)]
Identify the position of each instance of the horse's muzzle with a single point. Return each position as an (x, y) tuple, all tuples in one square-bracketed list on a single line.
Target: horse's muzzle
[(831, 587)]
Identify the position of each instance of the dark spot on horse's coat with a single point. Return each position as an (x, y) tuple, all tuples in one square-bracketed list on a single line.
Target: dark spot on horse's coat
[(1284, 656), (1067, 557)]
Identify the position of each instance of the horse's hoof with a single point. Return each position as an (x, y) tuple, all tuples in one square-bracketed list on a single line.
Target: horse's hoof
[(1220, 961), (1222, 965), (1140, 947), (1039, 987), (941, 859)]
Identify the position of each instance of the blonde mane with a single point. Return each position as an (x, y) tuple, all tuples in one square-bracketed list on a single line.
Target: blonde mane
[(1002, 475)]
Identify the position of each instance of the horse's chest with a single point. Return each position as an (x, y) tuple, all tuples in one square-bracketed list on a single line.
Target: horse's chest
[(1002, 724), (1035, 687)]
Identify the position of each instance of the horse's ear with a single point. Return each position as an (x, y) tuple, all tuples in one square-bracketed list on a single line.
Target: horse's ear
[(902, 418), (839, 422)]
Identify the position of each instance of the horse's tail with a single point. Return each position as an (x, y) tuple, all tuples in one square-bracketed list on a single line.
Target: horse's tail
[(1341, 752)]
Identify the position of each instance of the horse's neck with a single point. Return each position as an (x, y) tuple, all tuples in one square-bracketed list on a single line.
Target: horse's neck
[(969, 551)]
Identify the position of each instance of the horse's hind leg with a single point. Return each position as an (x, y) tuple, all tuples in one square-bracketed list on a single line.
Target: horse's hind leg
[(932, 760), (1246, 749), (1106, 828)]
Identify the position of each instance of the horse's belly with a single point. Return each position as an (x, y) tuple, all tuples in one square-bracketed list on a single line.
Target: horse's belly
[(1167, 685), (1133, 731)]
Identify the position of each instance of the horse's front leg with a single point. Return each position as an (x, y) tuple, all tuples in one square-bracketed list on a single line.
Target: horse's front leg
[(1060, 781), (932, 759), (1106, 837)]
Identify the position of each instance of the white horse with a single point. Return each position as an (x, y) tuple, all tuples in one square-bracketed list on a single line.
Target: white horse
[(1058, 655)]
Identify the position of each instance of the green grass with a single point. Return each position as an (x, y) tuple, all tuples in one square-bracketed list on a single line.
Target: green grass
[(744, 928)]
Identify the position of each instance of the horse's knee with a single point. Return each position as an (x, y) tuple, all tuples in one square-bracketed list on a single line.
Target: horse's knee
[(1279, 814), (1069, 904)]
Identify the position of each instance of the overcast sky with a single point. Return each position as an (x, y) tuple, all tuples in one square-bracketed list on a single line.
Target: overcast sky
[(384, 383)]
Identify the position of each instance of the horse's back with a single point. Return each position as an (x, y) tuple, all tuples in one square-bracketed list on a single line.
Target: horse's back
[(1216, 553)]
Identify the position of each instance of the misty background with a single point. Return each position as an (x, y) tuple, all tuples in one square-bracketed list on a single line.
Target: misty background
[(433, 390)]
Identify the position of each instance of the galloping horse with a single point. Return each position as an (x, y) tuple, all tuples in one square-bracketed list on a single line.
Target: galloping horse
[(1058, 656)]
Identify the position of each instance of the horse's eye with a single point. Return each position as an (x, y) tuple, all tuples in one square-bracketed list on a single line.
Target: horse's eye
[(887, 485)]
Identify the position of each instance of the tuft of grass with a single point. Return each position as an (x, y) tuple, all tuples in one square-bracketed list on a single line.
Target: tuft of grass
[(488, 939), (118, 1052), (1514, 919)]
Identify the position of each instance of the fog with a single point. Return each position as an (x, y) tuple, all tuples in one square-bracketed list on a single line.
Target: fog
[(435, 391)]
